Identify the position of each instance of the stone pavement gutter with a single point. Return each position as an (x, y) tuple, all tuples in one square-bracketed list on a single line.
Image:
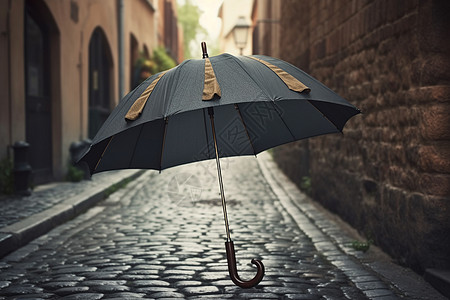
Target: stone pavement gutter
[(27, 218)]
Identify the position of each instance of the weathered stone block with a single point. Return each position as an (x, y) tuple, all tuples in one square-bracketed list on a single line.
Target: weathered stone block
[(435, 157), (435, 122), (435, 184), (436, 69)]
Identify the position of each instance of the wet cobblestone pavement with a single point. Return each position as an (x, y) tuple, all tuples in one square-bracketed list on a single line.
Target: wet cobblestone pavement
[(46, 196), (163, 237)]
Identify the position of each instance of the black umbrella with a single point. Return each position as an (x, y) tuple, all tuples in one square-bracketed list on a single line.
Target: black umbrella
[(253, 103)]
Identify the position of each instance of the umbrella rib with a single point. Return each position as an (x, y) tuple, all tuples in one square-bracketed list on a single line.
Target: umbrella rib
[(264, 92), (166, 121), (134, 149), (324, 116), (103, 153), (245, 127), (287, 127), (206, 132)]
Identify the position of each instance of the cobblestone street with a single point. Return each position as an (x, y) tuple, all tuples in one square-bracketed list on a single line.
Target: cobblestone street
[(45, 197), (163, 236)]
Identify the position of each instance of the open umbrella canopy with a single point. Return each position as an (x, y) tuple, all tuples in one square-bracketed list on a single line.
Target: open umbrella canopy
[(259, 102), (216, 107)]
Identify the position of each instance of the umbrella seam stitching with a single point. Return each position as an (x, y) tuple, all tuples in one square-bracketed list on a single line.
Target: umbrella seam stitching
[(248, 74), (177, 71)]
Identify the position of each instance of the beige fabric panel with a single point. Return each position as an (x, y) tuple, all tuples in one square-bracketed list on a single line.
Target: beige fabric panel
[(138, 106), (293, 83), (211, 86)]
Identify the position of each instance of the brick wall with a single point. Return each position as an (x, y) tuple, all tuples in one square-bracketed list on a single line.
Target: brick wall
[(389, 173)]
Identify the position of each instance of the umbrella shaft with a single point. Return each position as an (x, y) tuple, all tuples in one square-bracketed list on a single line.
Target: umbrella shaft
[(219, 173)]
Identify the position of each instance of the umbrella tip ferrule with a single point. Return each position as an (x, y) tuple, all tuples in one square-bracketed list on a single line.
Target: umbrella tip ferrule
[(204, 50)]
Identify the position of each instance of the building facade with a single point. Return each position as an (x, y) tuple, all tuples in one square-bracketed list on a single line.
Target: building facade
[(65, 65), (169, 33), (388, 175), (230, 16), (266, 31)]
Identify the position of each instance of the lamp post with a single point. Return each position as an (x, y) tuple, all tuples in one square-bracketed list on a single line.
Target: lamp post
[(240, 33)]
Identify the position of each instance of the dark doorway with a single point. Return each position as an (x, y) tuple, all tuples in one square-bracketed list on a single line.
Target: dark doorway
[(38, 101), (99, 81)]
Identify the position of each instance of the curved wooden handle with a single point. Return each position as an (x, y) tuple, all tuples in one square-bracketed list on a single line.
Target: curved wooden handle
[(231, 258)]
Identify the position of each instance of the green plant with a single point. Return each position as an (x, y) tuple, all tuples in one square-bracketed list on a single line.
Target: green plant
[(74, 174), (305, 184), (361, 246), (162, 61), (115, 187), (6, 176), (143, 68), (188, 17)]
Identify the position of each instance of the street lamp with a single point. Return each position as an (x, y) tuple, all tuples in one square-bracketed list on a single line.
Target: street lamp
[(240, 33)]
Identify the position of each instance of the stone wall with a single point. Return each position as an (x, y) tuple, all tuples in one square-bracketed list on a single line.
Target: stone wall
[(389, 173)]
